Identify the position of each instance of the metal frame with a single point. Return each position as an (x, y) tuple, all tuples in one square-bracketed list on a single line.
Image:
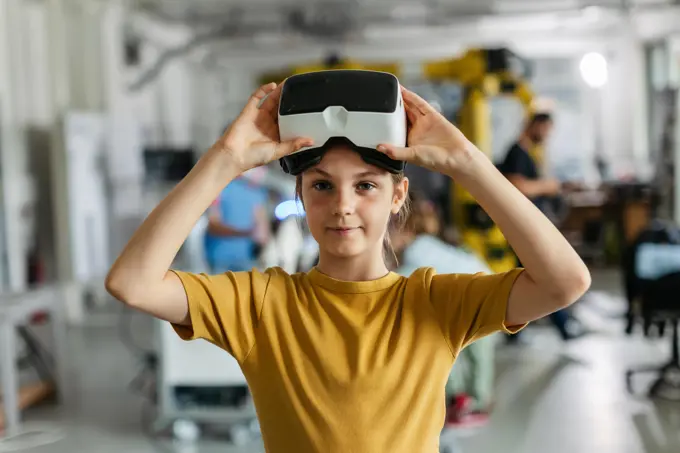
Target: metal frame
[(16, 310)]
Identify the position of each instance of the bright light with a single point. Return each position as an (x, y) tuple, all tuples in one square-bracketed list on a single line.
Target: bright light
[(594, 70), (289, 208)]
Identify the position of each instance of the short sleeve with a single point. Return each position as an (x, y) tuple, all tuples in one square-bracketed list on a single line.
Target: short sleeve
[(472, 306), (224, 309)]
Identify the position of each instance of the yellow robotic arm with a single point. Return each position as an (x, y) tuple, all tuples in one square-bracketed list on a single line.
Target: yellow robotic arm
[(483, 75)]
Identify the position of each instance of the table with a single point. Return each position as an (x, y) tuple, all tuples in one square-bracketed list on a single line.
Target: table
[(16, 309)]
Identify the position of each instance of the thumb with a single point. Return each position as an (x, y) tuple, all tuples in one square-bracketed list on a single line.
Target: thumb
[(397, 153), (291, 146)]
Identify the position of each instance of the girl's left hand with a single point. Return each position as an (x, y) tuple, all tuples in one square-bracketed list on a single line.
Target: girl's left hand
[(432, 142)]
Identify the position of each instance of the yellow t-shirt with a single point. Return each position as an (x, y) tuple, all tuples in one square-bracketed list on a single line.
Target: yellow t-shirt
[(346, 367)]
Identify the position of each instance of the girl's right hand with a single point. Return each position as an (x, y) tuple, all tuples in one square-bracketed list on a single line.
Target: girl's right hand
[(253, 139), (433, 142)]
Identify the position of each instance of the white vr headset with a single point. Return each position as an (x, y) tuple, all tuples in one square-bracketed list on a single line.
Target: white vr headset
[(358, 108)]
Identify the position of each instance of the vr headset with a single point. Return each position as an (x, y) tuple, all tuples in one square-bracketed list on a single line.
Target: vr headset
[(358, 108)]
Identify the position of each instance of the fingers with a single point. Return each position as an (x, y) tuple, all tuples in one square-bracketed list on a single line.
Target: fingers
[(411, 114), (260, 94), (415, 103), (271, 103), (291, 146), (398, 153), (412, 111)]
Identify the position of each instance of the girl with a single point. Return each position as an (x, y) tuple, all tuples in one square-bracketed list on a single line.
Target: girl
[(348, 357)]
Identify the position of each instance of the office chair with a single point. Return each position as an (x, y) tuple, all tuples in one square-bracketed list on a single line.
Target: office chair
[(658, 232), (658, 305), (661, 303)]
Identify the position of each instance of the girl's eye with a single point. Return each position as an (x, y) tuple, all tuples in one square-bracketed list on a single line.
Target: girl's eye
[(366, 186), (321, 185)]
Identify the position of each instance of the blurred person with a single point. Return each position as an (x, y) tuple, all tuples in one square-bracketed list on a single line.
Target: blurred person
[(519, 166), (238, 224), (523, 172), (348, 356), (469, 388)]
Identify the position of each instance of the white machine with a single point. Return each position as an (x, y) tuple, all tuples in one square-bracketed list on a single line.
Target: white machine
[(202, 366), (195, 365)]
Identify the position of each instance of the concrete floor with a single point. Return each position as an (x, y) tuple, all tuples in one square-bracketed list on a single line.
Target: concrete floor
[(551, 397)]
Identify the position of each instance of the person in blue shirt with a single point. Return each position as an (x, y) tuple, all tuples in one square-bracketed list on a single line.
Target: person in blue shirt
[(237, 224)]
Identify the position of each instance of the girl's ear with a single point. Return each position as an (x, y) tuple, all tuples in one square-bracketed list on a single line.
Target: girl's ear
[(400, 195)]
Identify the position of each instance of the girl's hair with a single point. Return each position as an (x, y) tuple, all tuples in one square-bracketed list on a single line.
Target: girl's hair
[(397, 221)]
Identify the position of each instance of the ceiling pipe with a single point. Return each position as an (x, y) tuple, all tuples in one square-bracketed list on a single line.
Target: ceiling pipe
[(232, 27)]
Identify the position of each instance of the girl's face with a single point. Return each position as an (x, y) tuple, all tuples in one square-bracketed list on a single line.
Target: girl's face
[(348, 204)]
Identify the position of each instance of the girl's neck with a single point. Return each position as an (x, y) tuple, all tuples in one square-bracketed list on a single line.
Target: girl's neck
[(354, 269)]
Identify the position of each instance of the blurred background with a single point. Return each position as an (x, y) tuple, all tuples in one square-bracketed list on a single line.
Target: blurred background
[(106, 104)]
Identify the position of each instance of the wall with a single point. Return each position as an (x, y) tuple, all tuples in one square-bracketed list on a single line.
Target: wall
[(674, 81), (164, 107), (613, 118), (625, 105), (220, 94), (17, 45)]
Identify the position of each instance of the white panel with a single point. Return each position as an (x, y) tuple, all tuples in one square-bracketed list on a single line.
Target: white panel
[(37, 71), (674, 46), (674, 69), (624, 109), (85, 140), (175, 102), (84, 57), (124, 150), (15, 181), (196, 363), (677, 166), (147, 107)]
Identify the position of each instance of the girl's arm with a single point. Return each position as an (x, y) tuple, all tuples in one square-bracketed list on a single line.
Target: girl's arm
[(555, 276), (141, 275)]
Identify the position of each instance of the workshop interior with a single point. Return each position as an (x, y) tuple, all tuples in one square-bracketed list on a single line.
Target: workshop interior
[(106, 105)]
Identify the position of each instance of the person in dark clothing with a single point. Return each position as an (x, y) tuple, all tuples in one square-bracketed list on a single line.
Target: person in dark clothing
[(521, 169)]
